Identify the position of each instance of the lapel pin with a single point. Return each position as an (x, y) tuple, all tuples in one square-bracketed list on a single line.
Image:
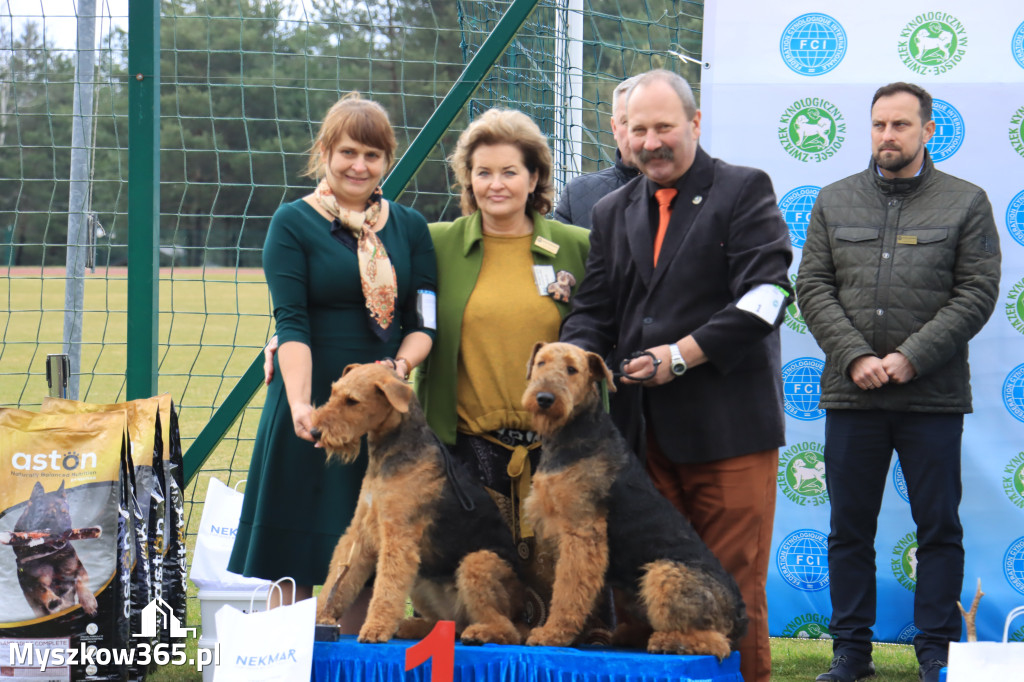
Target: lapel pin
[(697, 199)]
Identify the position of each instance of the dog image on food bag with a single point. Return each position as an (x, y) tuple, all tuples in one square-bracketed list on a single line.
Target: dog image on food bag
[(49, 570)]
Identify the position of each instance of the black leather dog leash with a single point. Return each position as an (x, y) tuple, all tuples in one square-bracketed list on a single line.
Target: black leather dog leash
[(632, 377)]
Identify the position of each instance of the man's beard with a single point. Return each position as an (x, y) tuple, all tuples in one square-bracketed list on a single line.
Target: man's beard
[(893, 163)]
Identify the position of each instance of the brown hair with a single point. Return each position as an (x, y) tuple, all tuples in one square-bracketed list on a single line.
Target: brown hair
[(364, 121), (923, 98), (505, 126)]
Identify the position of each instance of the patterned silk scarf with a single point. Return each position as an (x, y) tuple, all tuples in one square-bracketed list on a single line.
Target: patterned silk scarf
[(376, 273)]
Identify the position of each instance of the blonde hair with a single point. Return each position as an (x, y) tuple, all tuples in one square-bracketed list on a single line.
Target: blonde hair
[(363, 120), (505, 126)]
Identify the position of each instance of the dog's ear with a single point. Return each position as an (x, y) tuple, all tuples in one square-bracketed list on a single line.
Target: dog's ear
[(529, 365), (349, 368), (398, 393), (599, 370)]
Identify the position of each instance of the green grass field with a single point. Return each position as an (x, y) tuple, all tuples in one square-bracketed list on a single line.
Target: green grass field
[(212, 325)]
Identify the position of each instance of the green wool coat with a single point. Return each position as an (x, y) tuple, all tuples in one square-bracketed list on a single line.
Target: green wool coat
[(459, 249)]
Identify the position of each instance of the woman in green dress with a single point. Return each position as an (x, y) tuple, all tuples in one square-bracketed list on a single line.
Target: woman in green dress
[(352, 279)]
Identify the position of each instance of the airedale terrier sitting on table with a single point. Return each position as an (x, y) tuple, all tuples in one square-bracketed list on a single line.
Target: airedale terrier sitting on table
[(593, 499), (424, 526)]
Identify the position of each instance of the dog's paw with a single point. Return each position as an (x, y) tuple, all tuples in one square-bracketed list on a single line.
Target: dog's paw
[(414, 628), (546, 635), (481, 633), (375, 633), (88, 602)]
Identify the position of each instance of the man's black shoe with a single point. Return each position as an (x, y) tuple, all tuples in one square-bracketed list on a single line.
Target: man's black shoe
[(929, 670), (844, 669)]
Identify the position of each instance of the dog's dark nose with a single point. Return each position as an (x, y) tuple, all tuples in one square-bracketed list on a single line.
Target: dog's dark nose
[(315, 432), (545, 400)]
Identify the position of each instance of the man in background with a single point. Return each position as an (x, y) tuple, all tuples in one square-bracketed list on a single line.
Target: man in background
[(581, 193)]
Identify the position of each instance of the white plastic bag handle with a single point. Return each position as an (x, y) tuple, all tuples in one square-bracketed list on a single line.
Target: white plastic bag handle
[(276, 585), (1009, 619)]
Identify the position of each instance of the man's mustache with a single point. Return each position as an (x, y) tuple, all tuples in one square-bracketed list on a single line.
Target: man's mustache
[(663, 152)]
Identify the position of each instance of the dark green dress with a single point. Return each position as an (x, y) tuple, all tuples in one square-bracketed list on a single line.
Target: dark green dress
[(296, 505)]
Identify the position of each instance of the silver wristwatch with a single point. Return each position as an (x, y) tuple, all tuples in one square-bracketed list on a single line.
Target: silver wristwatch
[(678, 365)]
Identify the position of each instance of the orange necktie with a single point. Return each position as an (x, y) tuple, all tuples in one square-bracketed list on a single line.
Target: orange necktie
[(664, 198)]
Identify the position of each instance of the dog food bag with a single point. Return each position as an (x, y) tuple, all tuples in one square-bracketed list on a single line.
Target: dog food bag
[(66, 540), (145, 450), (175, 566)]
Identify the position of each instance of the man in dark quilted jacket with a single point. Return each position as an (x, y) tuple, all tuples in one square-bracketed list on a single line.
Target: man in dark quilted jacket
[(581, 193), (900, 269)]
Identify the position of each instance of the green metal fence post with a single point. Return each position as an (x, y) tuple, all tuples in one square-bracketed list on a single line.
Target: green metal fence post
[(243, 392), (143, 198)]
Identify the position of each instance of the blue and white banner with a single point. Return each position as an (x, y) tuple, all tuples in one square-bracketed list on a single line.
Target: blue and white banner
[(787, 87)]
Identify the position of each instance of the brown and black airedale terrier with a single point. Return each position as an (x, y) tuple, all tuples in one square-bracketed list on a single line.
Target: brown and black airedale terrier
[(422, 525), (592, 497)]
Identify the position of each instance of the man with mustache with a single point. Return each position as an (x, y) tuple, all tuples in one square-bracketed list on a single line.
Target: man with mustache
[(899, 271), (689, 263)]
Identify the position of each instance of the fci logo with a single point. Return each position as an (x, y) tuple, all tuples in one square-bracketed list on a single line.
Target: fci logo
[(813, 44)]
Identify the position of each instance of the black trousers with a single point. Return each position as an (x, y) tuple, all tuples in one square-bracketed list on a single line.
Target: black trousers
[(858, 450)]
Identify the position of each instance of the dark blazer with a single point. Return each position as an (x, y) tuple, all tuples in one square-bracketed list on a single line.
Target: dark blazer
[(726, 236)]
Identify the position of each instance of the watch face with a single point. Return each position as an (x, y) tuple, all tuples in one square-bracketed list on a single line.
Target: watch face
[(678, 368)]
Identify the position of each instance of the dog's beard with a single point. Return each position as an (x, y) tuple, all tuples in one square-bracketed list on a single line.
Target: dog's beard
[(345, 452)]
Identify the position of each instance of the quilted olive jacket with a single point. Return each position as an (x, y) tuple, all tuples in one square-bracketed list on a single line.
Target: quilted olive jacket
[(908, 265)]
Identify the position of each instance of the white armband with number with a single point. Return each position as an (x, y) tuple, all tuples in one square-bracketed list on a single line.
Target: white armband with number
[(765, 301)]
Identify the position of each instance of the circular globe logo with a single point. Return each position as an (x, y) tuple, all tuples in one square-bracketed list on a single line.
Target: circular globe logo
[(1013, 564), (899, 482), (933, 43), (1013, 393), (1017, 45), (801, 387), (796, 207), (949, 131), (813, 44), (802, 560), (907, 634), (1015, 218)]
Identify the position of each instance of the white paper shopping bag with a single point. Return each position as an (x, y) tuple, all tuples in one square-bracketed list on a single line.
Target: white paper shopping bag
[(214, 540), (266, 646)]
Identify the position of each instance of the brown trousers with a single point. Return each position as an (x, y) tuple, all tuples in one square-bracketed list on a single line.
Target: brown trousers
[(731, 504)]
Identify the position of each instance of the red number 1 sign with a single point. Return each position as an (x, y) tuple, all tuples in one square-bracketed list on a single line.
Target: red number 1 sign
[(439, 647)]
